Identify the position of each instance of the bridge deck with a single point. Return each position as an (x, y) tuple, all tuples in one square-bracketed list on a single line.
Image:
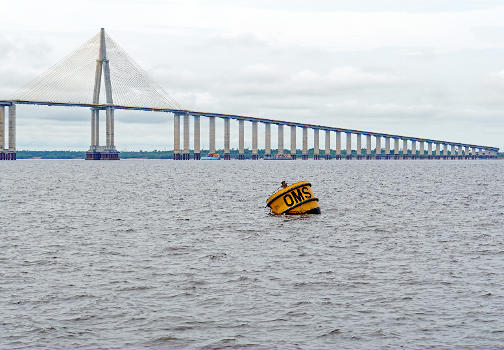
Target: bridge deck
[(246, 118)]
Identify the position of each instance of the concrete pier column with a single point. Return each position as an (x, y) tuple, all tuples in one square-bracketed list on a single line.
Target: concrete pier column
[(280, 139), (368, 146), (405, 149), (387, 147), (185, 154), (197, 138), (413, 149), (304, 154), (445, 150), (438, 150), (211, 135), (267, 140), (176, 136), (227, 148), (453, 152), (293, 142), (396, 148), (327, 154), (348, 145), (378, 147), (429, 150), (466, 152), (97, 127), (241, 139), (2, 129), (254, 141), (359, 146), (112, 127), (316, 152), (421, 154), (12, 129), (93, 128), (109, 127), (338, 145)]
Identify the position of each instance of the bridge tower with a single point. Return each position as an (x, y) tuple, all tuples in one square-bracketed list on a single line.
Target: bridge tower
[(107, 152)]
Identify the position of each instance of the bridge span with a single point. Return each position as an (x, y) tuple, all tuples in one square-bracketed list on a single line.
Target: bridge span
[(395, 146), (129, 88)]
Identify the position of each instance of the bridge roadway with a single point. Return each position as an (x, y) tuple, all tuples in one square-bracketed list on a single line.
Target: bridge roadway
[(492, 151)]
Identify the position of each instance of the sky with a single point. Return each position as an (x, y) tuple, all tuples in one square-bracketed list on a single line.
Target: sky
[(432, 69)]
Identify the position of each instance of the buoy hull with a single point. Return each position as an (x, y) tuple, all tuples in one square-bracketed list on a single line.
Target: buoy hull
[(294, 200)]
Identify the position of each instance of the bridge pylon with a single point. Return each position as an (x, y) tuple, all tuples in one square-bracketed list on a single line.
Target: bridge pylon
[(107, 152)]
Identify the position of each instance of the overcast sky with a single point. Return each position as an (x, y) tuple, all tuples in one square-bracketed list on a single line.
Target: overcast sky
[(426, 68)]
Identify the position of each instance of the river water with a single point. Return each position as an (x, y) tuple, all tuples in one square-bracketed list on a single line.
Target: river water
[(158, 254)]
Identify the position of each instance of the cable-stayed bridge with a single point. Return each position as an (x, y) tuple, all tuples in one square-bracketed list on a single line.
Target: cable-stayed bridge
[(101, 76)]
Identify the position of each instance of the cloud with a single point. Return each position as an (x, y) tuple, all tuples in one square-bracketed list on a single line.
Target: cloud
[(416, 68)]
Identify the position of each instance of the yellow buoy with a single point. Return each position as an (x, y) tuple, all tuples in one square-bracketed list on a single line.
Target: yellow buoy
[(294, 199)]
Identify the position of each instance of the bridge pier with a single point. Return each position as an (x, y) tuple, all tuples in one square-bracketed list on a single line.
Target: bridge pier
[(185, 153), (405, 149), (241, 140), (338, 145), (349, 146), (359, 146), (438, 151), (421, 153), (211, 135), (254, 141), (429, 150), (11, 153), (327, 153), (387, 147), (368, 147), (445, 151), (293, 142), (8, 153), (2, 131), (413, 149), (176, 137), (378, 150), (304, 154), (197, 141), (280, 143), (267, 140), (316, 145), (227, 148), (396, 148)]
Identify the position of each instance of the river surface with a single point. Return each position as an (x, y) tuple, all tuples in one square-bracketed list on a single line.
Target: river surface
[(159, 254)]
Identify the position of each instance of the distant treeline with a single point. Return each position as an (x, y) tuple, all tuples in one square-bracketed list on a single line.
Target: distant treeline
[(163, 154)]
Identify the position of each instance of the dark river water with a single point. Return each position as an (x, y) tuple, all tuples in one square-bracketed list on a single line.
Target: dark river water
[(146, 254)]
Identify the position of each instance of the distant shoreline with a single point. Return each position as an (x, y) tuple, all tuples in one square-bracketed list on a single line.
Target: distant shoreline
[(24, 154)]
